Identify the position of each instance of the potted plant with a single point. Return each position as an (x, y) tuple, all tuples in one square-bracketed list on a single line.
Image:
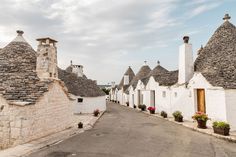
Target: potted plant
[(134, 106), (178, 116), (201, 119), (151, 109), (127, 103), (142, 107), (80, 125), (221, 128), (96, 112), (163, 114)]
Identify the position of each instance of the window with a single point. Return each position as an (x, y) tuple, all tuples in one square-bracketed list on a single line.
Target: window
[(176, 94), (164, 94), (80, 100), (50, 74)]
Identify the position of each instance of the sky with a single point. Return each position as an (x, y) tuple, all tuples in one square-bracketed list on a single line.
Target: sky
[(107, 36)]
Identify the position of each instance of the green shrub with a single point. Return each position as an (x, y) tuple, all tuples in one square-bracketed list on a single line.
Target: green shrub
[(177, 114), (220, 124)]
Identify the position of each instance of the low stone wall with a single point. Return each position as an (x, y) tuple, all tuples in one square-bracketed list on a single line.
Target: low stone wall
[(52, 112)]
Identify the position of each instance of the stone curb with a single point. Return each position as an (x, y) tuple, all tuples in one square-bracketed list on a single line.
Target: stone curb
[(204, 131), (53, 139)]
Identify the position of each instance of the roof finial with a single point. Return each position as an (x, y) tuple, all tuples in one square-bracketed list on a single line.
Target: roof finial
[(226, 17), (20, 32), (71, 63), (158, 62), (145, 62)]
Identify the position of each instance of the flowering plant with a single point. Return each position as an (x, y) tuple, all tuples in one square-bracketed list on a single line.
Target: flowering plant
[(151, 108), (200, 116)]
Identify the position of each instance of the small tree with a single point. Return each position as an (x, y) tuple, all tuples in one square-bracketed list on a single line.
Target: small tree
[(106, 91)]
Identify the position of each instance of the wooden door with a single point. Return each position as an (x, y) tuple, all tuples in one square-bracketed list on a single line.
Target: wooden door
[(201, 106)]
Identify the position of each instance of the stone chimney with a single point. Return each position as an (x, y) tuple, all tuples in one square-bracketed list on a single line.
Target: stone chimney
[(185, 61), (47, 59), (77, 69)]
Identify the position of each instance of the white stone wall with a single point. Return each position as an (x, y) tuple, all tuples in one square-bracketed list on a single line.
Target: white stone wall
[(52, 113), (230, 97), (90, 104)]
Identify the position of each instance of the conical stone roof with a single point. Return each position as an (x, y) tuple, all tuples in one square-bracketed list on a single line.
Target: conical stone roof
[(79, 86), (131, 75), (157, 71), (18, 78), (142, 73), (217, 60)]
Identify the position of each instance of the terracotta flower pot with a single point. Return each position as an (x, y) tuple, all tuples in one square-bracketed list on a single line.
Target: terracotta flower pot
[(80, 125), (152, 111), (201, 124), (221, 131)]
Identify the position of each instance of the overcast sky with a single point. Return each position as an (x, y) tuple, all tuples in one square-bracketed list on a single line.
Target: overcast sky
[(107, 36)]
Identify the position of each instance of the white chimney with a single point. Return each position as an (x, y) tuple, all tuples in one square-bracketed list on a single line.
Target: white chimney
[(78, 70), (185, 61)]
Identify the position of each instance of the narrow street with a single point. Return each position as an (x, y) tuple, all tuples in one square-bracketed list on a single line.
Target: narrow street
[(124, 132)]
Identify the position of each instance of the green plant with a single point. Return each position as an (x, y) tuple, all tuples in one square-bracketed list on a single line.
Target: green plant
[(163, 114), (200, 116), (80, 125), (142, 107), (177, 114), (220, 124)]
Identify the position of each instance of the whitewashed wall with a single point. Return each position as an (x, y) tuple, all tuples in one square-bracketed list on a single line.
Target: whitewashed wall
[(231, 107), (182, 99), (90, 104)]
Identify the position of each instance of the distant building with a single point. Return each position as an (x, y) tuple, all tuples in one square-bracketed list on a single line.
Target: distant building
[(88, 95)]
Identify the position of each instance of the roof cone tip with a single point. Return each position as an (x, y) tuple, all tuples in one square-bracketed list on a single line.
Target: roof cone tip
[(226, 17), (20, 32)]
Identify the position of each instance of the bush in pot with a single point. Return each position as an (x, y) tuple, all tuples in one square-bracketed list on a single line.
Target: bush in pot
[(221, 128), (96, 112), (163, 114), (80, 125), (134, 106), (127, 103), (151, 109), (201, 119), (142, 107), (178, 116)]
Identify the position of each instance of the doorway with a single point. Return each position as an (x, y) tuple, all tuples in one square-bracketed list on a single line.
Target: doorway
[(152, 98), (201, 103)]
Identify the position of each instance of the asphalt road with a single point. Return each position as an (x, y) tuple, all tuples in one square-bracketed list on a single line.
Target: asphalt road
[(124, 132)]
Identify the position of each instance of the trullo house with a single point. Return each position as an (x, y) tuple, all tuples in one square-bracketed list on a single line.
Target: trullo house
[(207, 84), (122, 95), (136, 95), (34, 102), (88, 95)]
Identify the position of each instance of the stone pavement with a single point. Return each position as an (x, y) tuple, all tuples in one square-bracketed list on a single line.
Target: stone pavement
[(24, 149), (193, 125), (124, 132)]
